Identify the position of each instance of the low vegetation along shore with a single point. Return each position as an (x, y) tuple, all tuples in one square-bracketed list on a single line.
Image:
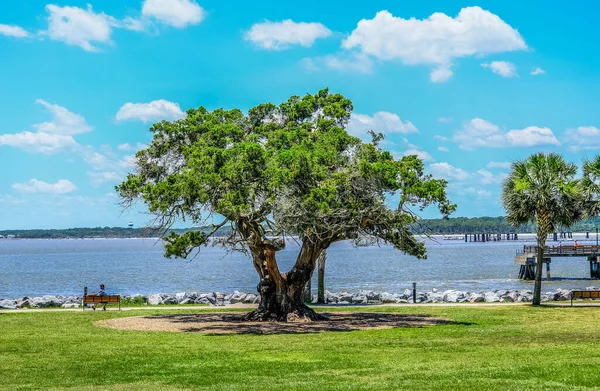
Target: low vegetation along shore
[(486, 348), (361, 297)]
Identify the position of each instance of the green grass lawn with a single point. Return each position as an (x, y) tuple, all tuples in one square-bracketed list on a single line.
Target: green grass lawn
[(501, 348)]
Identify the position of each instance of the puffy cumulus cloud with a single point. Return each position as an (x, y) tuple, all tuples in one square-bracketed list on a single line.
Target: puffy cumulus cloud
[(176, 13), (63, 186), (13, 31), (481, 133), (502, 68), (63, 121), (498, 165), (436, 40), (46, 143), (441, 74), (156, 110), (531, 136), (488, 178), (537, 71), (282, 35), (447, 171), (53, 136), (582, 138), (84, 27), (381, 122)]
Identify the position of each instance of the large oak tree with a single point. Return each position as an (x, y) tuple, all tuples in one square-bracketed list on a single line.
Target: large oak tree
[(276, 172)]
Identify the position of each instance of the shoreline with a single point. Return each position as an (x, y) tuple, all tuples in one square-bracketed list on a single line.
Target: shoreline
[(362, 297)]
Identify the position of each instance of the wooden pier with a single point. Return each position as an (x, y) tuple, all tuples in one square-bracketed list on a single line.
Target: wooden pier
[(527, 258)]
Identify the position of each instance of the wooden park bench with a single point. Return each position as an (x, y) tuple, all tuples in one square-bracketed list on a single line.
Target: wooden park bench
[(584, 295), (95, 299)]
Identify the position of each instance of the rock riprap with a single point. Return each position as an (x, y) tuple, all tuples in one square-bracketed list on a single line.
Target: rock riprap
[(340, 298)]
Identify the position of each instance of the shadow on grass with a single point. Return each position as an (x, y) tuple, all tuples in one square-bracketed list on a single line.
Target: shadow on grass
[(224, 323)]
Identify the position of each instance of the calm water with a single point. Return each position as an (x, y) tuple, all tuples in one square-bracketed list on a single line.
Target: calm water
[(36, 267)]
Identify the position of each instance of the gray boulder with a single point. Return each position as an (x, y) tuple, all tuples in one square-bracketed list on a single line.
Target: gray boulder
[(359, 299), (476, 298), (344, 298), (237, 297), (46, 302), (491, 297), (388, 298), (8, 304), (155, 299)]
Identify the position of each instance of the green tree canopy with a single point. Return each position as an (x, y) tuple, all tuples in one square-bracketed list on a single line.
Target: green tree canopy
[(276, 171)]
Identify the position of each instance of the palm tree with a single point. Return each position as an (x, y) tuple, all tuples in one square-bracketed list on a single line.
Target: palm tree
[(542, 189), (591, 185)]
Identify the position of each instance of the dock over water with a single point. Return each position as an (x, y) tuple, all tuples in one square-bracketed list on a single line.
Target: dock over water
[(526, 258)]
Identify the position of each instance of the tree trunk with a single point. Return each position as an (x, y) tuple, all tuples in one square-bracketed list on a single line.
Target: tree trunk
[(321, 282), (282, 294), (544, 226)]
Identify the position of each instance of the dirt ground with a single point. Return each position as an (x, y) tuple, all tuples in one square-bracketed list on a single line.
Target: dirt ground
[(227, 323)]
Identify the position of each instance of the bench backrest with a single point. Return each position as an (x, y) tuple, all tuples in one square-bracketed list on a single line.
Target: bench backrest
[(102, 299), (586, 294)]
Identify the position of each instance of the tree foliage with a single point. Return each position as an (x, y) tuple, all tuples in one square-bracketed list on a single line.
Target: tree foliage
[(276, 171)]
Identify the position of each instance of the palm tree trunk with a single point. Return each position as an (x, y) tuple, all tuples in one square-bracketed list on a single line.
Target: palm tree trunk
[(544, 225), (537, 286)]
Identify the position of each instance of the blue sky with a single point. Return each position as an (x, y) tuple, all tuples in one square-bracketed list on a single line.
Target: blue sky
[(469, 87)]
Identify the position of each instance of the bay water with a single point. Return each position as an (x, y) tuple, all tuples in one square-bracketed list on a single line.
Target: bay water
[(132, 266)]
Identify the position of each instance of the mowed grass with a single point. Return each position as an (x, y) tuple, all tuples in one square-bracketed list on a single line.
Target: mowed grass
[(490, 348)]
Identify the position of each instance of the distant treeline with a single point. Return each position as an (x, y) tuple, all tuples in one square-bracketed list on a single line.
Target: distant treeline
[(457, 225), (90, 233), (482, 225)]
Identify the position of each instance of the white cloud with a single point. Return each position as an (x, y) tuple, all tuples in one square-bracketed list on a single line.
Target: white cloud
[(79, 27), (63, 122), (444, 120), (538, 71), (281, 35), (425, 156), (85, 28), (447, 171), (176, 13), (502, 68), (531, 136), (441, 138), (46, 143), (157, 110), (63, 186), (488, 178), (441, 74), (436, 40), (582, 138), (498, 165), (97, 178), (13, 31), (381, 122), (481, 133), (443, 149), (53, 136)]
